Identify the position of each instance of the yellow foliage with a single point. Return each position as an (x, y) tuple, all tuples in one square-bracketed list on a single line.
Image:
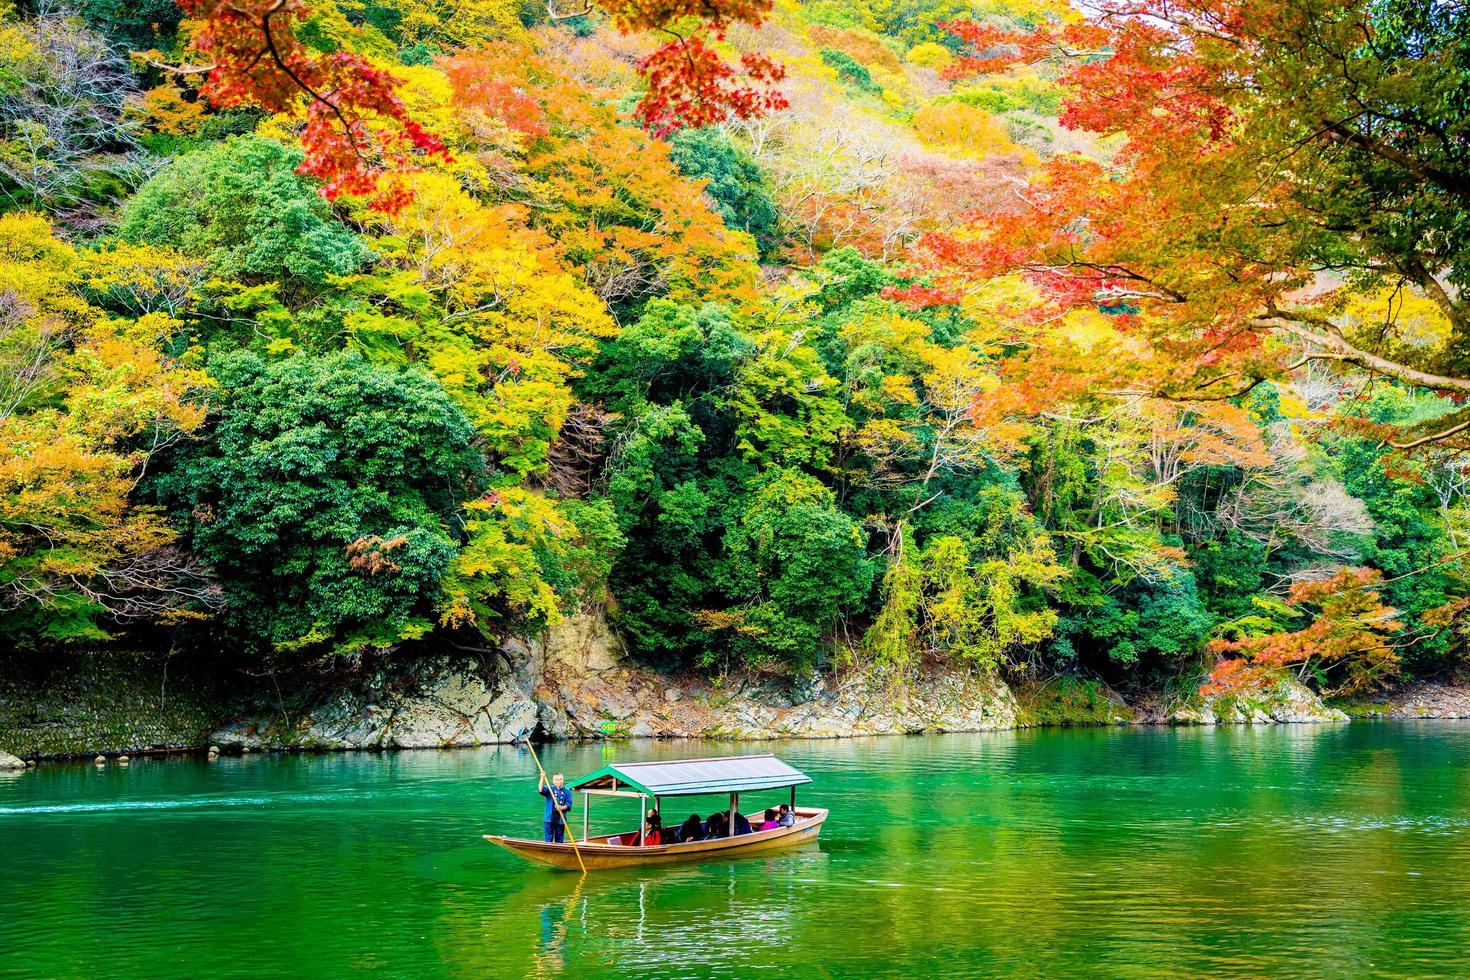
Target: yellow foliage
[(515, 323), (1406, 314), (500, 565), (449, 24), (15, 48), (430, 99), (964, 130), (140, 278), (34, 264), (930, 55), (89, 398), (1029, 11)]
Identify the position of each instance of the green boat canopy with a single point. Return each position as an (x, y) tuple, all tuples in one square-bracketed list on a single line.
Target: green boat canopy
[(692, 777)]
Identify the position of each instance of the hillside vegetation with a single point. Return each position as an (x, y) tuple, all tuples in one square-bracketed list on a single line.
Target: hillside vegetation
[(739, 384)]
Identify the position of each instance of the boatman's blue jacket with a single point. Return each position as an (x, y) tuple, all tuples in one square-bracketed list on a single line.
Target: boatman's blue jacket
[(563, 798)]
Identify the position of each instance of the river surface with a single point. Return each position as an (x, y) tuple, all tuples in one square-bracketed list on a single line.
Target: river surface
[(1329, 851)]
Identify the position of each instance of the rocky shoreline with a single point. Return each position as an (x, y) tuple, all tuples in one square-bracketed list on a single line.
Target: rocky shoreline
[(576, 683), (1417, 700)]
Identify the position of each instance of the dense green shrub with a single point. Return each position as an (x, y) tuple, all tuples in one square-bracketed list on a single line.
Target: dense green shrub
[(794, 562), (241, 206), (137, 23), (326, 497), (850, 70)]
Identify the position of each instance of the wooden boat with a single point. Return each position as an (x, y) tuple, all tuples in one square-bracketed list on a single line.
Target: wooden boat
[(655, 781)]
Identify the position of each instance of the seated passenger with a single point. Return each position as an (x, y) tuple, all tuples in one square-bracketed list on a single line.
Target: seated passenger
[(742, 824), (786, 817), (770, 823), (653, 830), (691, 829), (716, 826)]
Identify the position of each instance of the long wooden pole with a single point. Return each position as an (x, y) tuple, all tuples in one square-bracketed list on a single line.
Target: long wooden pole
[(555, 806)]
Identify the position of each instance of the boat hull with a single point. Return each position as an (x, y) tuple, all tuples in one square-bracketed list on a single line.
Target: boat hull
[(599, 855)]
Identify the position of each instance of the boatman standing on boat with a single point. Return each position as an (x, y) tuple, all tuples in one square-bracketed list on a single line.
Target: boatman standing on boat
[(558, 802)]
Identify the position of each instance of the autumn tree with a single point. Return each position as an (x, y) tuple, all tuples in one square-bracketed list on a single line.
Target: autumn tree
[(88, 401), (1276, 158), (1349, 642), (359, 134), (608, 193)]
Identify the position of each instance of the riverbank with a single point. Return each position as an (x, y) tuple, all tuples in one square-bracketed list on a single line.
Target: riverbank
[(575, 684), (1416, 700)]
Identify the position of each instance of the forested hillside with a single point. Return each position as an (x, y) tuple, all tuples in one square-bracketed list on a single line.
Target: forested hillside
[(952, 337)]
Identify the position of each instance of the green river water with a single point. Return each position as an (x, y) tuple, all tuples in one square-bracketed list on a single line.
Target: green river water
[(1288, 851)]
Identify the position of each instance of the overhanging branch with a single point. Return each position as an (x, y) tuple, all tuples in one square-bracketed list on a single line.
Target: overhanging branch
[(1339, 348)]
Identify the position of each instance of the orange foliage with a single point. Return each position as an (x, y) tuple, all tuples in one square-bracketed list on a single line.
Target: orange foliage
[(168, 112), (1351, 631), (863, 46), (622, 215)]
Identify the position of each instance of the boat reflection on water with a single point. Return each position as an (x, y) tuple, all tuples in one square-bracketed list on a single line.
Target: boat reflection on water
[(656, 919)]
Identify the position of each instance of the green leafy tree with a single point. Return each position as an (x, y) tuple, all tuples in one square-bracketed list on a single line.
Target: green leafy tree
[(327, 497), (794, 564), (734, 182), (241, 206), (136, 23), (672, 352), (1146, 622), (786, 405), (527, 557), (672, 503)]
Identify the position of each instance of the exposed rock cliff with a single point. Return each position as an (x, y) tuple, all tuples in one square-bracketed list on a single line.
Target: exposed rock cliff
[(575, 683)]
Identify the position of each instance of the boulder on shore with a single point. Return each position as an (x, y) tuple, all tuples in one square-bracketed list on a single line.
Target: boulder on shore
[(8, 761), (1287, 701)]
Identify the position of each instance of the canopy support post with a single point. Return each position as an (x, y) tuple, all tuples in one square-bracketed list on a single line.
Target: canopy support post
[(734, 803), (642, 819), (587, 805)]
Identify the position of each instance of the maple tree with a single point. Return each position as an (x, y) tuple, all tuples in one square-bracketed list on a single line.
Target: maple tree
[(1352, 630), (361, 139), (690, 84), (357, 127), (1276, 159)]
